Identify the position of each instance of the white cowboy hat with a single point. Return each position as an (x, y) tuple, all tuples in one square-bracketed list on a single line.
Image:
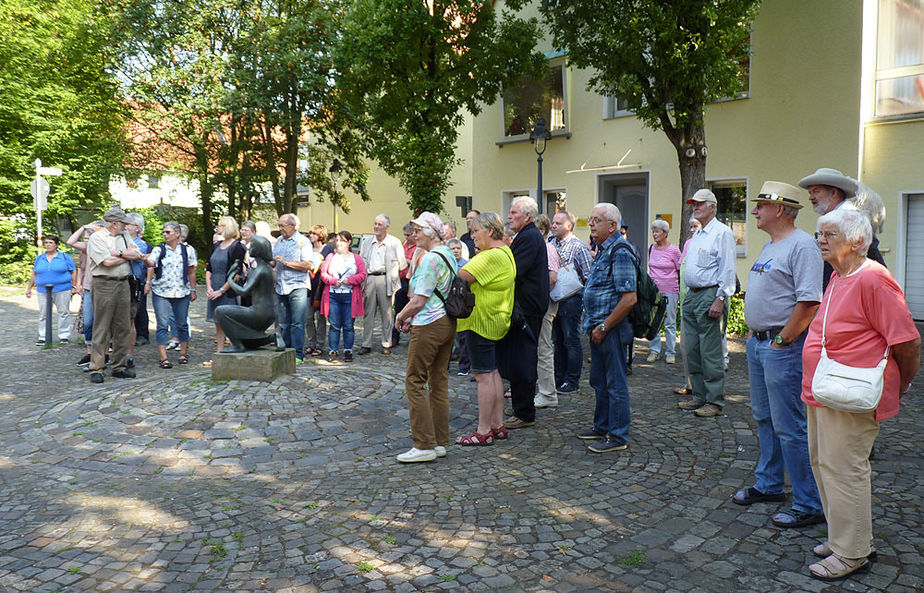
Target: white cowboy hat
[(831, 178)]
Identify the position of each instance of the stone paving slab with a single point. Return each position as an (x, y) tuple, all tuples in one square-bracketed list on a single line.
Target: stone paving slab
[(173, 482)]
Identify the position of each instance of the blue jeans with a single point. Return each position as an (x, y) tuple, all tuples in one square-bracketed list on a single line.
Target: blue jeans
[(340, 320), (670, 329), (566, 336), (608, 378), (167, 311), (292, 315), (776, 386), (87, 317)]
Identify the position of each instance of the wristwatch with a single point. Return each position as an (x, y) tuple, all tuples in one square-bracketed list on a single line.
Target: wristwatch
[(779, 340), (721, 297), (602, 327)]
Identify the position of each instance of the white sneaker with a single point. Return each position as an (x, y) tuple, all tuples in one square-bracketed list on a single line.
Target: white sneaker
[(440, 451), (545, 401), (652, 357), (415, 455), (171, 345), (670, 359)]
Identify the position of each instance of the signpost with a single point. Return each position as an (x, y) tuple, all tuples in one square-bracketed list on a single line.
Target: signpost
[(39, 190)]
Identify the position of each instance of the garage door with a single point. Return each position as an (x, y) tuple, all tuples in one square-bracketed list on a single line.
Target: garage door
[(914, 256)]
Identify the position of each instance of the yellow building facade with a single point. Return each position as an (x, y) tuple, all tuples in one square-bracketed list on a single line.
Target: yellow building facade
[(832, 83)]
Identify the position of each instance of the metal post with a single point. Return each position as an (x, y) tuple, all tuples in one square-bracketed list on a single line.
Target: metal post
[(48, 325), (539, 197)]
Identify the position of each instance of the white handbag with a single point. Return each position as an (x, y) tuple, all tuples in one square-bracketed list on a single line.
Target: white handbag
[(568, 283), (846, 388)]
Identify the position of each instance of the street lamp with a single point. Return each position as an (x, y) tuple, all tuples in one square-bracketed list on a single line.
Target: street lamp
[(335, 176), (539, 136)]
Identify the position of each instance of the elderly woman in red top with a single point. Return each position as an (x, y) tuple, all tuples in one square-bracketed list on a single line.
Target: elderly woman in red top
[(866, 312)]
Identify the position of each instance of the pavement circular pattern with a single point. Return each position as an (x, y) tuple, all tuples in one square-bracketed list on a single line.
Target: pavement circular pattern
[(174, 482)]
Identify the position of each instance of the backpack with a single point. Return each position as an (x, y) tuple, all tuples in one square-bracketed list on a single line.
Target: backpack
[(647, 313), (460, 300)]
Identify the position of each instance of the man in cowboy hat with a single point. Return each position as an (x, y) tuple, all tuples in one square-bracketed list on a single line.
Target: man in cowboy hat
[(828, 190), (784, 289), (709, 275)]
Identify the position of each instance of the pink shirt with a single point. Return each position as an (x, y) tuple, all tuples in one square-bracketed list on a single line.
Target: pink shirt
[(868, 310), (664, 268)]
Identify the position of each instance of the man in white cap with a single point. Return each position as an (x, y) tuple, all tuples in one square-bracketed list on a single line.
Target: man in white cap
[(709, 275), (828, 190), (109, 252), (784, 289)]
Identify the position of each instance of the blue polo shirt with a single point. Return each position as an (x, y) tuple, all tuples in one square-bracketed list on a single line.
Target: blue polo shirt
[(57, 272)]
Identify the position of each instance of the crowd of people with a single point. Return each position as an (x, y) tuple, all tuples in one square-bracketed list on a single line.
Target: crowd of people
[(538, 291)]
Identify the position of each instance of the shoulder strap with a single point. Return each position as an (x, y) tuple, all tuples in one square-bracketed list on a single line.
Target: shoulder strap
[(628, 248), (454, 274)]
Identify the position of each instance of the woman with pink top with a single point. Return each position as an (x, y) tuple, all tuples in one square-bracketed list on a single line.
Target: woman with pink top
[(343, 273), (664, 268)]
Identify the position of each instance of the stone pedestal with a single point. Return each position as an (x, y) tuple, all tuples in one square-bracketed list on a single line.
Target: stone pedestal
[(255, 365)]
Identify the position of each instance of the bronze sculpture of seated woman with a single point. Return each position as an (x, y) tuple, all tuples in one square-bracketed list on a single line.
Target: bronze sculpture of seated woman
[(246, 327)]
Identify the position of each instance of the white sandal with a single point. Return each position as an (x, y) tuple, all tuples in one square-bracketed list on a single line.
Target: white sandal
[(835, 568)]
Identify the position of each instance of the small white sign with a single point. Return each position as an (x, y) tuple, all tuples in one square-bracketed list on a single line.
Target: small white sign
[(39, 190)]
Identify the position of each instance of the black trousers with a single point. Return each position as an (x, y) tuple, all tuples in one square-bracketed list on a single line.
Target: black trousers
[(517, 359), (401, 301)]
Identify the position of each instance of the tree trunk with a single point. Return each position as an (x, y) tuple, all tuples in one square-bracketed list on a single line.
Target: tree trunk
[(692, 169), (269, 150)]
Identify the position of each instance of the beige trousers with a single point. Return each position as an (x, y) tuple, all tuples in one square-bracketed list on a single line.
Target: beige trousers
[(839, 447)]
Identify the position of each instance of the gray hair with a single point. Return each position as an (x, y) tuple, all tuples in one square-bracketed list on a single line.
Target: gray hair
[(791, 212), (184, 232), (660, 223), (453, 242), (291, 219), (853, 224), (175, 227), (385, 218), (409, 227), (249, 224), (139, 221), (491, 222), (527, 206), (611, 211), (870, 203)]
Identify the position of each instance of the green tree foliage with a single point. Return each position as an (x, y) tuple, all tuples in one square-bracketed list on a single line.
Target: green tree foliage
[(667, 59), (234, 88), (58, 103), (408, 68)]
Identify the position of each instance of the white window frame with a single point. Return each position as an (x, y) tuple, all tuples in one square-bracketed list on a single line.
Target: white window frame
[(740, 250), (565, 131), (895, 72)]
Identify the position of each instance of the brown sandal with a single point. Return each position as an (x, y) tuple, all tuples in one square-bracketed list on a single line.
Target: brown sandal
[(476, 439)]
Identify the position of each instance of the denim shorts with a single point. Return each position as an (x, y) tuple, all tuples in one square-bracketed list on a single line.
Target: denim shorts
[(482, 353)]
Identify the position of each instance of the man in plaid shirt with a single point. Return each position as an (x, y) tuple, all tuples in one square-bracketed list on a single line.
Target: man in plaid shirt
[(609, 295), (566, 329)]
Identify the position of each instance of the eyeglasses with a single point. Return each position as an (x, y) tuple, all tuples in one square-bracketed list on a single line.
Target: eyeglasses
[(167, 232), (828, 235), (595, 220)]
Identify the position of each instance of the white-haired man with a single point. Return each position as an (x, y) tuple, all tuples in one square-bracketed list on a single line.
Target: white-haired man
[(609, 295), (383, 255), (566, 330), (829, 189), (518, 351), (709, 275)]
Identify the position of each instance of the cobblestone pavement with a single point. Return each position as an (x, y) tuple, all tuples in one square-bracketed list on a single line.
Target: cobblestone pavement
[(172, 482)]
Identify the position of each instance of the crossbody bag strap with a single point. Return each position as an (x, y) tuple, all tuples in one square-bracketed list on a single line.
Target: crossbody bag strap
[(824, 323), (454, 274)]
